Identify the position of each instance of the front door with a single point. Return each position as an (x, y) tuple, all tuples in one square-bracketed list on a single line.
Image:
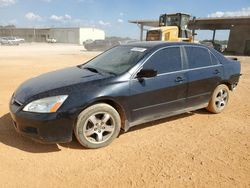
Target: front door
[(163, 95)]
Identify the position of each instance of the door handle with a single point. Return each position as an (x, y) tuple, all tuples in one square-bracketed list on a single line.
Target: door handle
[(179, 79), (216, 71)]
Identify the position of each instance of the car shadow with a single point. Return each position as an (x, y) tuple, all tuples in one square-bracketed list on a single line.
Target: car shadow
[(202, 111), (73, 144), (153, 123), (9, 137)]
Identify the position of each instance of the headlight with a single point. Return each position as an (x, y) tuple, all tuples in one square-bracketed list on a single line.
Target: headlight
[(46, 105)]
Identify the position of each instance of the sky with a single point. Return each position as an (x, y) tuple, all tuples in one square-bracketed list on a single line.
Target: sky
[(112, 15)]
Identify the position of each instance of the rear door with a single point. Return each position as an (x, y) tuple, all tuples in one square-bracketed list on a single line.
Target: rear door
[(165, 94), (204, 73)]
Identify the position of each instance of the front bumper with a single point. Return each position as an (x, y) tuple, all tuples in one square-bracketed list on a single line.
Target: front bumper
[(44, 128)]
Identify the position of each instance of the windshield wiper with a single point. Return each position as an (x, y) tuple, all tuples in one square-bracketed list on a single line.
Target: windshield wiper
[(100, 71), (92, 69), (112, 73)]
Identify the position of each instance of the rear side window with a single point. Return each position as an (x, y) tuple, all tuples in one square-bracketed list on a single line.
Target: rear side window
[(166, 60), (198, 57), (214, 59)]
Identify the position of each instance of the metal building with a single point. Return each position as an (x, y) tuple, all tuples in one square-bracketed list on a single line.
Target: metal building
[(239, 38), (62, 35)]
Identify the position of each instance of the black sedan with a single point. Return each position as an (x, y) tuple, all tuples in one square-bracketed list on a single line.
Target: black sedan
[(100, 45), (123, 87)]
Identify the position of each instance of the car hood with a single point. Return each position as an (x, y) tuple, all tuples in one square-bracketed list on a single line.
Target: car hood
[(55, 80)]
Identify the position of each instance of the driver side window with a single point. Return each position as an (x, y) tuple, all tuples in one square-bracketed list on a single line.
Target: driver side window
[(165, 60)]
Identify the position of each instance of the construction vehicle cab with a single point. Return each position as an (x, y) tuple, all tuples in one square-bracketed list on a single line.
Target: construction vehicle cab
[(172, 27)]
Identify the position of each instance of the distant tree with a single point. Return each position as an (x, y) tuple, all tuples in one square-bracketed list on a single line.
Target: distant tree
[(10, 26), (222, 42), (114, 38)]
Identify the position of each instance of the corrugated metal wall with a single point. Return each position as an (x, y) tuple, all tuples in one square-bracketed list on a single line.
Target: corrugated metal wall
[(62, 35)]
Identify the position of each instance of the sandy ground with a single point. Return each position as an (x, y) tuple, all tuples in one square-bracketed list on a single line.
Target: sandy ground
[(195, 149)]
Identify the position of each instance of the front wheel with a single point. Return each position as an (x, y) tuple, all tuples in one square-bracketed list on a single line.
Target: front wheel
[(219, 99), (97, 126)]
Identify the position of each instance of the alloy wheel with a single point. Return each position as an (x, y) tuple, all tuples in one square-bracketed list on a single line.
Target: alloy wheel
[(221, 99), (99, 127)]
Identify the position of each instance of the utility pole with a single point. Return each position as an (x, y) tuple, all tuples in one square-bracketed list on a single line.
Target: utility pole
[(141, 37), (214, 35), (34, 35)]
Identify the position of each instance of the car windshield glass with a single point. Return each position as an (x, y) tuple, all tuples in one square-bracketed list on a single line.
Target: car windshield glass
[(116, 60)]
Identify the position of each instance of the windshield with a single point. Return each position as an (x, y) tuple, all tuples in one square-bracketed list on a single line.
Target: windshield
[(116, 60), (173, 20)]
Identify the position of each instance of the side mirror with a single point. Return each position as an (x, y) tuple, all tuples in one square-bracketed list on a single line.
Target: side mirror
[(146, 73)]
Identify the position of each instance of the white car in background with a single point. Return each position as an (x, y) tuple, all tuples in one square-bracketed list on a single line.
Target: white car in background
[(10, 41), (51, 40), (20, 40)]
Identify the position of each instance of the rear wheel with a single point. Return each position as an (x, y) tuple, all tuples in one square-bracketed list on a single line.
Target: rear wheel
[(219, 99), (97, 126)]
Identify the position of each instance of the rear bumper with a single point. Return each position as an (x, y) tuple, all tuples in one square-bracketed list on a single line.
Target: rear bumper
[(44, 128)]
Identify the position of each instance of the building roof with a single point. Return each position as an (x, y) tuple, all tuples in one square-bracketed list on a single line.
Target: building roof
[(204, 23), (218, 23), (150, 23), (44, 28)]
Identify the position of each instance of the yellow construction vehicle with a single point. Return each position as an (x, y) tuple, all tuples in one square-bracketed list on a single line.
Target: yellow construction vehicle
[(172, 27)]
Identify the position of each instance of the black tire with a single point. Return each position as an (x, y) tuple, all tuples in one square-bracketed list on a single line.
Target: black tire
[(97, 126), (219, 99)]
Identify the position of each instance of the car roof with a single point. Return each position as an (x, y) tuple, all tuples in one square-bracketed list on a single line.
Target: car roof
[(155, 45), (159, 44)]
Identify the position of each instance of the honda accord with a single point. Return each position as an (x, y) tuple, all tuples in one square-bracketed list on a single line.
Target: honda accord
[(125, 86)]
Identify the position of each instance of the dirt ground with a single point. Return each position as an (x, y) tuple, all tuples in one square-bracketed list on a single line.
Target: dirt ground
[(195, 149)]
